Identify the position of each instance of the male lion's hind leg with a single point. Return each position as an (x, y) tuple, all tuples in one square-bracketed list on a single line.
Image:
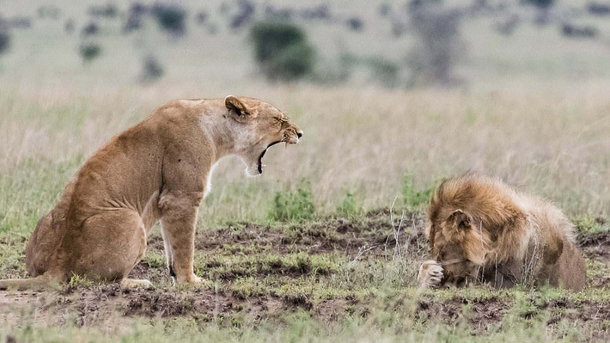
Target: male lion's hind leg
[(430, 274), (111, 244)]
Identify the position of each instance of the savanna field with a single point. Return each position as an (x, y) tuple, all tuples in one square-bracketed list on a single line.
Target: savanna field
[(326, 244)]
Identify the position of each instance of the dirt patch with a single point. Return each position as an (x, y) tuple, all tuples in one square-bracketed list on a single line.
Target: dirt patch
[(323, 236), (94, 305), (479, 314), (596, 245)]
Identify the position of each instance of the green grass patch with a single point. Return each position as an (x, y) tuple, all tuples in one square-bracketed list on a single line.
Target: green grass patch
[(293, 205)]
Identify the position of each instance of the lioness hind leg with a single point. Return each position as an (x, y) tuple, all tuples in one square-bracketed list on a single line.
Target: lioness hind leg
[(110, 245)]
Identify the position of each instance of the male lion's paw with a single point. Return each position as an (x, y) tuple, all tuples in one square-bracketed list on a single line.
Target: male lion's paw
[(430, 274)]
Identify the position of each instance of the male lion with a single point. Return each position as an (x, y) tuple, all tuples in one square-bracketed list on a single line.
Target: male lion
[(481, 229), (156, 170)]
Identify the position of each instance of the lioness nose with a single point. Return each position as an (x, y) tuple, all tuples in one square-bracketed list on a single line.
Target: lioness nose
[(300, 133)]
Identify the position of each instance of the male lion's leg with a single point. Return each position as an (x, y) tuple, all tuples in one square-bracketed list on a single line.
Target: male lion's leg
[(179, 214), (430, 274), (111, 243)]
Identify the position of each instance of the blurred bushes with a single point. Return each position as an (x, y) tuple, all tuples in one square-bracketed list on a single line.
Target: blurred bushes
[(152, 70), (48, 12), (106, 11), (575, 31), (90, 29), (383, 70), (89, 51), (170, 17), (355, 24), (599, 9), (282, 51), (540, 3), (244, 15), (5, 37), (134, 17)]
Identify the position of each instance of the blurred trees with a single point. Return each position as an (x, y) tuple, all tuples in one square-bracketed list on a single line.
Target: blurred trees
[(540, 3), (5, 38), (439, 45), (282, 51), (89, 51)]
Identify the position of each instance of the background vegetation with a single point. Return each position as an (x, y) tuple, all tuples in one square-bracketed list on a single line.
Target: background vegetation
[(392, 96)]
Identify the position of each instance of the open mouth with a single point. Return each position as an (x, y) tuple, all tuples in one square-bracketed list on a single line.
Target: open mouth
[(260, 158)]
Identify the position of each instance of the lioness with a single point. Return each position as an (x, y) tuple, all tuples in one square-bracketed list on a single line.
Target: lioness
[(481, 229), (156, 170)]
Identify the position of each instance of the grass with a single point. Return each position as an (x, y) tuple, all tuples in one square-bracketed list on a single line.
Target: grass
[(336, 279)]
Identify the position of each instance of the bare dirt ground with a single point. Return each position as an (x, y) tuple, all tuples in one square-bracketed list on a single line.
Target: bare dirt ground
[(86, 304)]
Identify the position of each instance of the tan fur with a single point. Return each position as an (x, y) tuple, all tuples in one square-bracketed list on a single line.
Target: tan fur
[(156, 170), (480, 228)]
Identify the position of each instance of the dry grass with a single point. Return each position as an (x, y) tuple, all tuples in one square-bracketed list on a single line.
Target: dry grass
[(539, 120), (363, 140)]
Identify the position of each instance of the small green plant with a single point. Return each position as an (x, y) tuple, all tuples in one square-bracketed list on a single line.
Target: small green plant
[(282, 51), (295, 205), (350, 204), (412, 197), (79, 281), (590, 225)]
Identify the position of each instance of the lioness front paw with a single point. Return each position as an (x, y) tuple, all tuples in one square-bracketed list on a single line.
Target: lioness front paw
[(430, 274), (192, 279)]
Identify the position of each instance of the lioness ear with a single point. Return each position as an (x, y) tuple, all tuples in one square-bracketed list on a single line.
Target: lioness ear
[(236, 106), (461, 219)]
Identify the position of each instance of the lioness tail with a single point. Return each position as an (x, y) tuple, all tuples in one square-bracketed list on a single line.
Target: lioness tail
[(38, 282)]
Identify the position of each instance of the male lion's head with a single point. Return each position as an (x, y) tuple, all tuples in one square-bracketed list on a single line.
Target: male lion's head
[(460, 245), (257, 126), (474, 223)]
